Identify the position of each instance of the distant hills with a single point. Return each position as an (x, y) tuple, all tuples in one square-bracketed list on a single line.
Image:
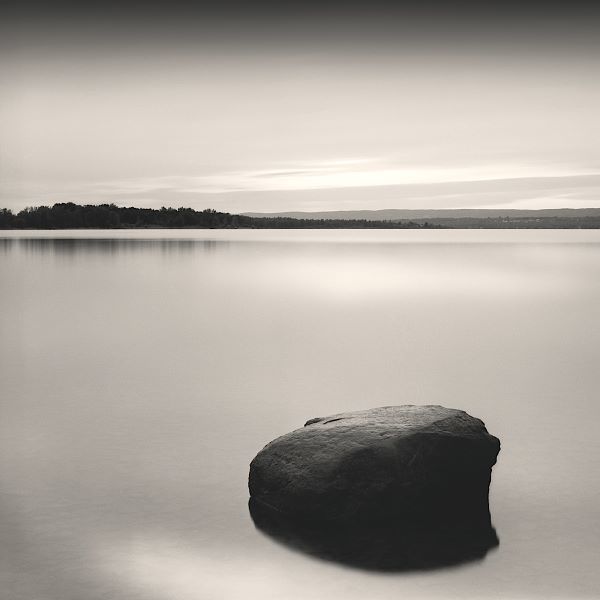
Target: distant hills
[(468, 218), (397, 214)]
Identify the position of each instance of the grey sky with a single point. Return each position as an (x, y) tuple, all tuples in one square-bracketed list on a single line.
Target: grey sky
[(243, 118)]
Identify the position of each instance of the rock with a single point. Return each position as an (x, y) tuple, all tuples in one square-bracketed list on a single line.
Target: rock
[(426, 464)]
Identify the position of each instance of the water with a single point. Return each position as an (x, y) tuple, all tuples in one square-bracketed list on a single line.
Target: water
[(141, 371)]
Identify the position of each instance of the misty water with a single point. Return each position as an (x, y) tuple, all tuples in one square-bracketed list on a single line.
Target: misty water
[(140, 372)]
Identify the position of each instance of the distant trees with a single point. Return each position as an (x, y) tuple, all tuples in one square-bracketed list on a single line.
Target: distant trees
[(7, 219), (62, 216), (109, 216)]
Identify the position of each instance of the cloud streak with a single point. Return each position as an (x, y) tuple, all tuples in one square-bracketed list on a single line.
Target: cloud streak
[(348, 183), (337, 175)]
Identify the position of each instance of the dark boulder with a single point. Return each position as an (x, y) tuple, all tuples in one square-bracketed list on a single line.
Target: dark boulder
[(415, 464)]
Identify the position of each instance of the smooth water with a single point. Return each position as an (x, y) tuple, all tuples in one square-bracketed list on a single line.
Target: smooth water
[(141, 371)]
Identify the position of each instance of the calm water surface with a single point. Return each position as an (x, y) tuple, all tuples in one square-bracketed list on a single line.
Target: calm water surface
[(141, 371)]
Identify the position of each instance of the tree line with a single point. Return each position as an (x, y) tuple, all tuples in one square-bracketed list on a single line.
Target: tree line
[(109, 216)]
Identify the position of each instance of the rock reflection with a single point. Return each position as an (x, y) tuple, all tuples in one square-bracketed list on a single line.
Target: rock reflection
[(383, 546)]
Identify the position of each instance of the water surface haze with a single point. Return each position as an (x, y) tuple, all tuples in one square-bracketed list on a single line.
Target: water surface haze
[(141, 371)]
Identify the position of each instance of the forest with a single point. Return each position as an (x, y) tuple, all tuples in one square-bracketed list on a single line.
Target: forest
[(109, 216)]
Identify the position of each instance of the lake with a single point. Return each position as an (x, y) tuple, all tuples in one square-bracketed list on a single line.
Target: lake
[(141, 371)]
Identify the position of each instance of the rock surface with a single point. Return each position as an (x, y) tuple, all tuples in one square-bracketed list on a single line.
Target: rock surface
[(414, 462)]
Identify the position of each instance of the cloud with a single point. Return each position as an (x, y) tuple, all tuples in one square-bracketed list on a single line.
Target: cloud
[(346, 183), (336, 175)]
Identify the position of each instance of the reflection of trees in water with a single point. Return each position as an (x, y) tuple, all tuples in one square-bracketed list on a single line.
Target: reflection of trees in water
[(6, 245), (388, 545), (111, 246)]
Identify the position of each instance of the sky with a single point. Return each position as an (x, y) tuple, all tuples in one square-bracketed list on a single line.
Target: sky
[(279, 107)]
